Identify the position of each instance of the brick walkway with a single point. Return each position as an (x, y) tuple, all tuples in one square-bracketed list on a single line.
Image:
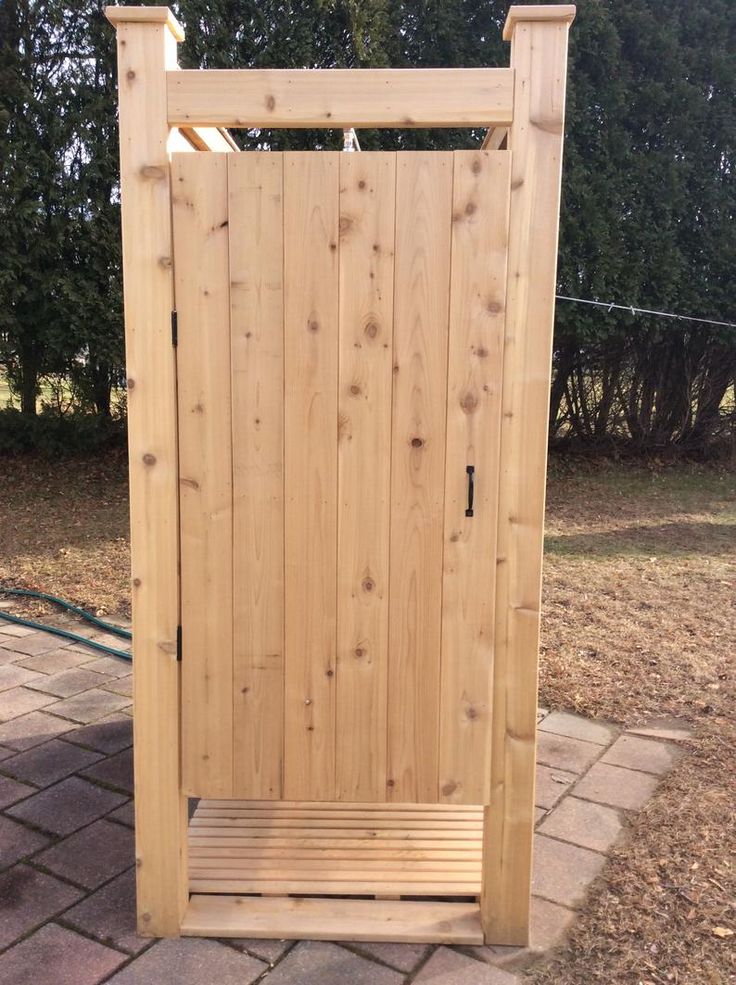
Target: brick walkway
[(66, 842)]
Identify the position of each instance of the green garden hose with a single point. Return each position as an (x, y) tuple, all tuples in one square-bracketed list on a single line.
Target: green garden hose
[(65, 633)]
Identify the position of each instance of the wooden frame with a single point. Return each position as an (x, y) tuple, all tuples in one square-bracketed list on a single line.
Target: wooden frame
[(163, 109)]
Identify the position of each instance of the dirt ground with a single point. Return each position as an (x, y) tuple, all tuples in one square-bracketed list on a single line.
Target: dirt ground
[(639, 621)]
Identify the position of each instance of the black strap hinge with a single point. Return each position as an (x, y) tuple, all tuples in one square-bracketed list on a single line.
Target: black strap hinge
[(174, 327), (178, 643)]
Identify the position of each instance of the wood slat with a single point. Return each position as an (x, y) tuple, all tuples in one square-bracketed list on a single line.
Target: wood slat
[(315, 919), (324, 850), (257, 339), (367, 194), (211, 803), (422, 267), (311, 186), (338, 816), (346, 887), (468, 845), (337, 868), (294, 98), (200, 214), (373, 834), (334, 823), (475, 363)]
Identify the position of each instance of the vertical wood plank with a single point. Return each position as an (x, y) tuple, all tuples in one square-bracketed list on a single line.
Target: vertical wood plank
[(311, 191), (475, 363), (367, 194), (201, 273), (422, 270), (257, 338), (539, 57), (145, 51)]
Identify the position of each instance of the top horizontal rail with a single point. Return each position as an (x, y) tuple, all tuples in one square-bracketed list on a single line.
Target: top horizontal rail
[(340, 98)]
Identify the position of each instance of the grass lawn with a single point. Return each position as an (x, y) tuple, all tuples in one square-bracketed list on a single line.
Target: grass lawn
[(639, 621)]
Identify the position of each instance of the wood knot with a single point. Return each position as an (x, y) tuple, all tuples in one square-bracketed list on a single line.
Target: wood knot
[(355, 389), (361, 184), (449, 788), (244, 690), (371, 329), (470, 208), (137, 583), (130, 75), (149, 459), (476, 166), (417, 442), (130, 383), (390, 783), (153, 172), (313, 325), (469, 402), (333, 246), (330, 673), (481, 352), (494, 308), (270, 102), (345, 224), (368, 585), (454, 537), (472, 713), (359, 652)]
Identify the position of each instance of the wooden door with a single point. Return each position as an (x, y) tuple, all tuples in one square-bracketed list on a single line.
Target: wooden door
[(340, 341)]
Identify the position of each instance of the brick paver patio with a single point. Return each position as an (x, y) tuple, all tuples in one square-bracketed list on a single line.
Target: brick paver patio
[(66, 842)]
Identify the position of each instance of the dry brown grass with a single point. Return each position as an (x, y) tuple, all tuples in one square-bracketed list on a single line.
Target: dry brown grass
[(639, 621), (64, 530)]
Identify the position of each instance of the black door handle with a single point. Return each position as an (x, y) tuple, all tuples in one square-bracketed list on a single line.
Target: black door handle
[(470, 469)]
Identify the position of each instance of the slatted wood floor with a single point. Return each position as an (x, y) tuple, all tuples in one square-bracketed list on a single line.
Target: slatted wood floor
[(330, 849)]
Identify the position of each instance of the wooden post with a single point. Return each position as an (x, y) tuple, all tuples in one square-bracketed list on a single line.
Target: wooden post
[(147, 38), (538, 38)]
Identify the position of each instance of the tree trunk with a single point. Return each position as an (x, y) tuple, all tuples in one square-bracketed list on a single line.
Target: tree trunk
[(28, 387)]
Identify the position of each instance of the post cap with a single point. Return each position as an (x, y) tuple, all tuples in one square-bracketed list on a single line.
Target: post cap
[(561, 12), (145, 15)]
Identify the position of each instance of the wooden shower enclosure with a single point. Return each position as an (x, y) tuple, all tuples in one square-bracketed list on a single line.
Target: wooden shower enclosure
[(338, 369)]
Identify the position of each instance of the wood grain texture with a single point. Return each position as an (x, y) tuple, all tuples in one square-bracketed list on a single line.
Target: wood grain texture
[(422, 268), (255, 184), (145, 51), (148, 16), (539, 57), (367, 193), (311, 191), (417, 97), (315, 919), (477, 308), (200, 214)]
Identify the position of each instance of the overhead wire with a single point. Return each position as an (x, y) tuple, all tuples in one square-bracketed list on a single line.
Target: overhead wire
[(633, 310)]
